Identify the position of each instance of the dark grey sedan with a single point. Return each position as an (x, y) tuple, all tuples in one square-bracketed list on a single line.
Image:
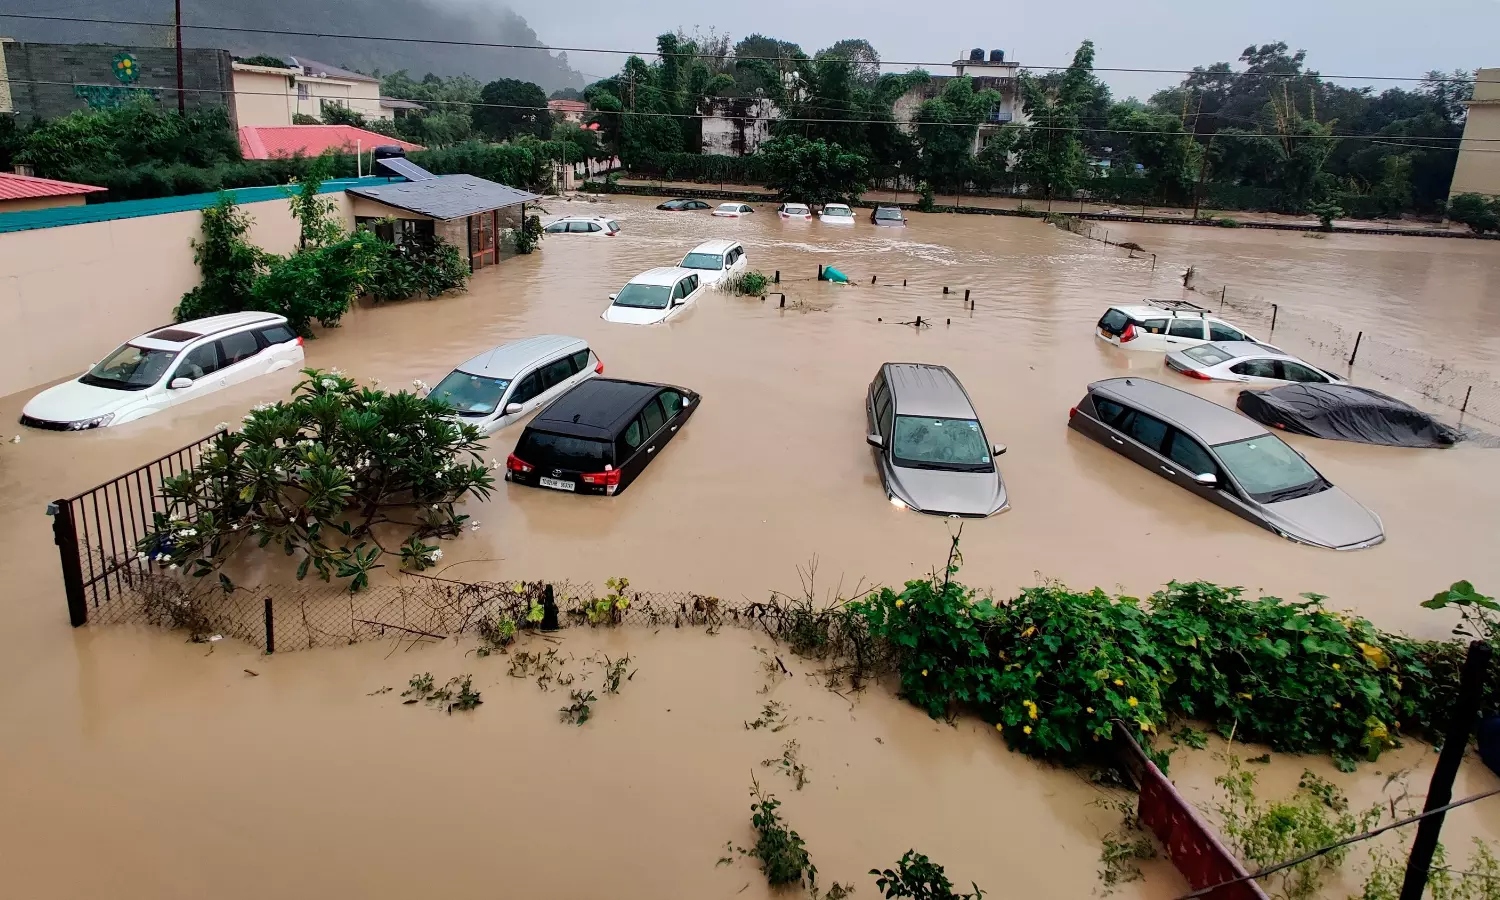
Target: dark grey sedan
[(1224, 458), (929, 446)]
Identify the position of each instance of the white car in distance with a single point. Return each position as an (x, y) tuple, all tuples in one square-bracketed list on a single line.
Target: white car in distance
[(715, 261), (1247, 363), (733, 210), (837, 214), (797, 211), (1166, 325), (167, 367), (597, 226), (501, 385), (655, 296)]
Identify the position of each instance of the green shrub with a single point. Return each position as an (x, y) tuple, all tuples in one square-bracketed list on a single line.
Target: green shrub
[(1477, 212), (747, 283), (1227, 222)]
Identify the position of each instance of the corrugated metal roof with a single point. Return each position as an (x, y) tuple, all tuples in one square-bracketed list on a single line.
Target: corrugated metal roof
[(131, 209), (25, 187), (446, 197), (324, 70), (267, 141)]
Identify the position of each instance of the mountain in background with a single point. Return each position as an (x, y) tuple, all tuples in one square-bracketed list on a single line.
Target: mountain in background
[(441, 19)]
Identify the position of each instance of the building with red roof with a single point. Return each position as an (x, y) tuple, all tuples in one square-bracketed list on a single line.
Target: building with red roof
[(269, 141), (568, 110), (23, 192)]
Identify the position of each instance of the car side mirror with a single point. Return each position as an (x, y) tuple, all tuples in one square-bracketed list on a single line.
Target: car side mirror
[(875, 440), (180, 383), (514, 409), (998, 449), (687, 401), (678, 301), (1207, 479)]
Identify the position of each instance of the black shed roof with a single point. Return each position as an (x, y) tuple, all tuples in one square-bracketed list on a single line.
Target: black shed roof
[(446, 197)]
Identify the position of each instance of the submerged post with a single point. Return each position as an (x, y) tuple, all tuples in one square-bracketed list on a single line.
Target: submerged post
[(966, 295), (873, 277), (1465, 408), (783, 302), (1440, 790), (1355, 352), (270, 629), (778, 277), (65, 536), (820, 273), (549, 610), (1274, 310), (945, 289)]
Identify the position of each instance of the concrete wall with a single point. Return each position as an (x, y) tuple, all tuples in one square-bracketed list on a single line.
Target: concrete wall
[(10, 206), (1478, 169), (361, 96), (70, 294), (262, 97), (207, 78), (736, 127)]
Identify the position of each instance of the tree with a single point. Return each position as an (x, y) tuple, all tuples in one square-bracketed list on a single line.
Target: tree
[(512, 108), (813, 171), (947, 127), (860, 57), (228, 262), (566, 94), (1052, 156), (1476, 211), (1158, 143), (339, 114)]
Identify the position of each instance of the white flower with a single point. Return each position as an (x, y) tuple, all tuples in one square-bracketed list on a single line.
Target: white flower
[(330, 383), (473, 526), (335, 371), (172, 566), (222, 426), (189, 532), (494, 463), (141, 556), (420, 385), (235, 527), (435, 555), (391, 435)]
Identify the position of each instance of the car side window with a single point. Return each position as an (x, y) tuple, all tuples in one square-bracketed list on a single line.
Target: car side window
[(556, 228), (882, 400), (199, 362), (1191, 328), (237, 347), (594, 226), (692, 284), (1256, 368), (556, 372), (671, 401), (1297, 372), (580, 361), (1148, 431), (634, 434), (680, 291), (1155, 326), (1218, 331), (528, 388), (277, 334), (1190, 454), (653, 417), (1110, 412)]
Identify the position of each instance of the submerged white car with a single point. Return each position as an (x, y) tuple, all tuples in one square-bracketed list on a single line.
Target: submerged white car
[(715, 260), (1247, 363), (733, 210), (501, 385), (655, 296), (597, 226), (166, 367), (798, 211), (837, 214), (1166, 325)]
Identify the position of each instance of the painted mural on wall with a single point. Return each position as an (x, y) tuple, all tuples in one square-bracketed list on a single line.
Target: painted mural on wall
[(107, 96)]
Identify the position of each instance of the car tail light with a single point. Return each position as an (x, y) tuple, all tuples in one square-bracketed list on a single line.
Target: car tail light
[(1072, 411), (514, 463), (598, 366), (607, 478), (1129, 333), (1194, 373), (299, 340)]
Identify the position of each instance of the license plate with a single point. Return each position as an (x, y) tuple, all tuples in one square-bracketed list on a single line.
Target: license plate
[(558, 485), (1104, 334)]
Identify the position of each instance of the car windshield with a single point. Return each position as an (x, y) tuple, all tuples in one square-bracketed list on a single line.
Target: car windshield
[(832, 210), (644, 296), (888, 215), (130, 368), (548, 451), (1209, 356), (703, 261), (796, 209), (470, 395), (928, 443), (675, 204), (1269, 470)]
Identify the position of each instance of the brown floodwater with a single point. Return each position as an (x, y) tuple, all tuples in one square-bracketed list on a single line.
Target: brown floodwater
[(139, 766)]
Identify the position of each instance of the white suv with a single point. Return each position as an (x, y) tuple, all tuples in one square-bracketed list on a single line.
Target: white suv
[(715, 260), (1166, 325), (166, 367), (593, 225), (503, 384)]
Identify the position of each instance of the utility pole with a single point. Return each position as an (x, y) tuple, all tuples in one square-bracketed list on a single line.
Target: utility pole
[(181, 99)]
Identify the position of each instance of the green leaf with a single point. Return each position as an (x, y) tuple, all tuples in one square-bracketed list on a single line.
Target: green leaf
[(302, 569), (225, 583)]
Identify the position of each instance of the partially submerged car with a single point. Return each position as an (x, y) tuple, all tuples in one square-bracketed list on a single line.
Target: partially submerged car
[(1225, 458), (733, 210), (654, 296), (1346, 412), (599, 226), (1247, 363), (503, 384), (716, 260), (929, 447), (1165, 325), (683, 205), (599, 436), (797, 211), (890, 216), (836, 214)]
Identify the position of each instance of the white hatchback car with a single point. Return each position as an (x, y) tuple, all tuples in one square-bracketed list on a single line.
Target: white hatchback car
[(501, 385), (1166, 325), (655, 296), (837, 214), (715, 260), (1248, 363), (594, 225), (166, 367), (733, 210), (798, 211)]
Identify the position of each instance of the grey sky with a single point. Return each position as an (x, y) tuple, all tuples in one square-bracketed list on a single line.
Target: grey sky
[(1359, 37)]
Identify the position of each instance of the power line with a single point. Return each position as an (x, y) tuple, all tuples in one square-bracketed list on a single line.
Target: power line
[(804, 120), (505, 46)]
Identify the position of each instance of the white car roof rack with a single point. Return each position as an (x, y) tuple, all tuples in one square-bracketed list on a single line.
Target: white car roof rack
[(1177, 305)]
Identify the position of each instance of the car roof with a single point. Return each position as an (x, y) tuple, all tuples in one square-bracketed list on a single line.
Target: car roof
[(661, 275), (1204, 419), (510, 360), (581, 219), (794, 203), (835, 205), (1156, 312), (717, 246), (924, 390), (170, 337), (596, 408), (1243, 349)]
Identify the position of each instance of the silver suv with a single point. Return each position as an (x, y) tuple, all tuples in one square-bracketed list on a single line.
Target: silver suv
[(929, 446), (1224, 458)]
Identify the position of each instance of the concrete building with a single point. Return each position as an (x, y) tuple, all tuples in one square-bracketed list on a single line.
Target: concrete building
[(990, 73), (265, 95), (19, 193), (737, 126), (48, 81), (568, 110), (1478, 169), (468, 212)]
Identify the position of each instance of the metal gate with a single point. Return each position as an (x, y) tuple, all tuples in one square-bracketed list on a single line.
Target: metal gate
[(97, 531)]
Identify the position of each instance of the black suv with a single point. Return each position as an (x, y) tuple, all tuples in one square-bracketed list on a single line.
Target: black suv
[(596, 438)]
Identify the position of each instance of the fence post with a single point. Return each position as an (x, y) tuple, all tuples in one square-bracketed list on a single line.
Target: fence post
[(945, 289), (1465, 408), (1440, 790), (778, 277), (1355, 352), (873, 277), (1223, 295), (1274, 310), (820, 273), (65, 536), (966, 295), (549, 610), (1153, 262), (270, 629)]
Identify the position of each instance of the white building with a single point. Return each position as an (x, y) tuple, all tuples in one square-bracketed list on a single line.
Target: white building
[(736, 126), (992, 73), (264, 95)]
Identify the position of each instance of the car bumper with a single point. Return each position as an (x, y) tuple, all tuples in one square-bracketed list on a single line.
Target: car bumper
[(534, 481)]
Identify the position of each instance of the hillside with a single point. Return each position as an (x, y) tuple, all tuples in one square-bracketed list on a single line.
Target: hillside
[(441, 19)]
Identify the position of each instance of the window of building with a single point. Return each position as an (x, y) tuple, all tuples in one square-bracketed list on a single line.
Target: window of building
[(303, 92)]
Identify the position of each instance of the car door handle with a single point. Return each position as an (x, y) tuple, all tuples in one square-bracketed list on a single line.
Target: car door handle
[(650, 450), (675, 427), (1117, 440), (1166, 470)]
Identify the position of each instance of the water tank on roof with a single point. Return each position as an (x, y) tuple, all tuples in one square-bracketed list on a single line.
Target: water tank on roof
[(976, 55), (997, 56), (388, 151)]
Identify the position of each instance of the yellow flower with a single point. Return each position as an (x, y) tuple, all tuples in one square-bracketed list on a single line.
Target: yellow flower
[(1030, 708), (1133, 702), (1091, 709), (1375, 655), (900, 603), (1338, 706), (1145, 726), (924, 673), (1027, 729), (999, 727), (1336, 667), (1119, 682), (1030, 630)]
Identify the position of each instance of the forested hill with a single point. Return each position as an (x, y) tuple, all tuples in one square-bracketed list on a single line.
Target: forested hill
[(442, 19)]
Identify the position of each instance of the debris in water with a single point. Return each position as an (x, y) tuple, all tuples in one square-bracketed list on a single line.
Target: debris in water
[(252, 673)]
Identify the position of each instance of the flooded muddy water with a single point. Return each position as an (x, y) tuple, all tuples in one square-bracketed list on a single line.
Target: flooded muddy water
[(174, 773)]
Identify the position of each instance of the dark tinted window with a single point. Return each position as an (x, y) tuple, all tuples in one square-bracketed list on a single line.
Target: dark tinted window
[(1114, 321), (1110, 412), (580, 227), (1192, 328), (277, 334), (1150, 432), (176, 335), (526, 390), (1189, 454), (556, 372), (1155, 326), (580, 361), (634, 434), (1257, 368), (556, 228), (1297, 372), (671, 401), (653, 417), (197, 363), (1218, 331), (882, 400), (238, 347), (560, 451)]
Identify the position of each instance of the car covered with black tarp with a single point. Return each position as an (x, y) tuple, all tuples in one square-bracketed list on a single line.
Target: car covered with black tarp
[(1345, 412)]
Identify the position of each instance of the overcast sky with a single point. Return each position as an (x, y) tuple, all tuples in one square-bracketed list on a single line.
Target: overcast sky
[(1355, 37)]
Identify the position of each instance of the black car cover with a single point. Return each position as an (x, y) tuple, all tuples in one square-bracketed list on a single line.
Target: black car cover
[(1343, 412)]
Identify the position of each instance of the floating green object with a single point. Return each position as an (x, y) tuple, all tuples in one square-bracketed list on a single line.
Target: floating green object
[(834, 275)]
